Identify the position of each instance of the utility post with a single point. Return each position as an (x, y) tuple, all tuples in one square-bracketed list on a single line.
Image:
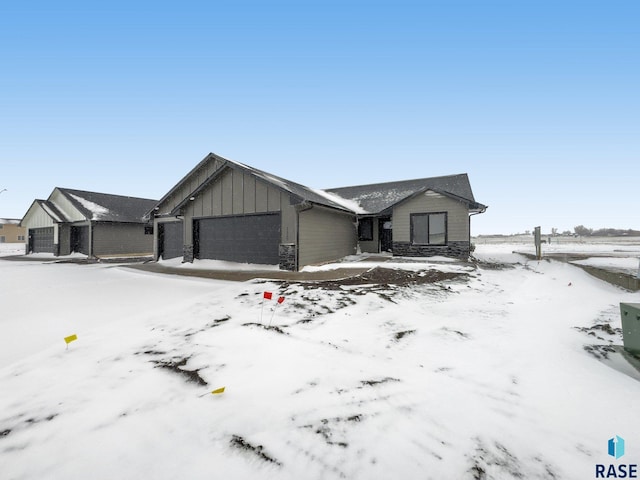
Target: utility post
[(538, 241)]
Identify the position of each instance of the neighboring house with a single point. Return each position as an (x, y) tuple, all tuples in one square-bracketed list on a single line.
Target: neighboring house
[(229, 211), (11, 231), (96, 224)]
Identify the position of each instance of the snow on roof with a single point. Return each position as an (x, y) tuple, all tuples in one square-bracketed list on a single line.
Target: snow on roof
[(378, 197), (98, 211), (9, 221), (106, 207), (352, 205), (310, 194)]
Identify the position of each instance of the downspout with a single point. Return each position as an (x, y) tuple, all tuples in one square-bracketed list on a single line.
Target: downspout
[(469, 229), (90, 254)]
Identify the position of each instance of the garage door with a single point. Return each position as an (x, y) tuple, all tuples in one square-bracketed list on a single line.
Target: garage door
[(244, 238), (170, 240), (41, 240)]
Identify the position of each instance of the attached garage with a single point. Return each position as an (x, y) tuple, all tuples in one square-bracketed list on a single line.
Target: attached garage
[(41, 240), (239, 238), (170, 244)]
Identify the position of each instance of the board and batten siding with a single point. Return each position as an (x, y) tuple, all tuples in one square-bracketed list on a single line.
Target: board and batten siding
[(432, 202), (189, 186), (236, 192), (36, 217), (121, 239), (325, 235)]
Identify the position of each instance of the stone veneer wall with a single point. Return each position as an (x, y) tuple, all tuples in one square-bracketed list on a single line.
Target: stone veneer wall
[(287, 254), (187, 255), (452, 249)]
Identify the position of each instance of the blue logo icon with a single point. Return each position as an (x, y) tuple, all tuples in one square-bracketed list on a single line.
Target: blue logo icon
[(616, 447)]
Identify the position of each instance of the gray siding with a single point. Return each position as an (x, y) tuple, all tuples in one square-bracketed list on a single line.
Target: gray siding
[(325, 235), (121, 239), (237, 193), (64, 235), (429, 202), (195, 180)]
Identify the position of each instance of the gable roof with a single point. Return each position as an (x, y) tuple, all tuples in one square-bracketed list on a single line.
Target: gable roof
[(49, 208), (380, 197), (106, 207), (300, 192), (361, 199)]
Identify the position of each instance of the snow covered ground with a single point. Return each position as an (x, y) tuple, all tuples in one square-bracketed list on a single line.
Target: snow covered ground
[(497, 373), (7, 249)]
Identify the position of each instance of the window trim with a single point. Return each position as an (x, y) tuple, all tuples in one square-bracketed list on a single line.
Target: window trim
[(427, 215)]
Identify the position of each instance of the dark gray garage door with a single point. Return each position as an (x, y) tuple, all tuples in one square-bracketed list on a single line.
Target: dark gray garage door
[(170, 240), (41, 240), (244, 238)]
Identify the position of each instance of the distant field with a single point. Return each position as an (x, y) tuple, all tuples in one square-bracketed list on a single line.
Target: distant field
[(559, 240)]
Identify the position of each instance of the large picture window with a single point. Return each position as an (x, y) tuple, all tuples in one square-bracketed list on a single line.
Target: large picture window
[(429, 228)]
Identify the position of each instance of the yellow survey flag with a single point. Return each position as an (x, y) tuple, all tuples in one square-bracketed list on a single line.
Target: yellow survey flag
[(70, 339), (218, 391)]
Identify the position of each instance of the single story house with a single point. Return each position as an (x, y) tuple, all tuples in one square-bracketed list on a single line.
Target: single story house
[(11, 231), (95, 224), (226, 210)]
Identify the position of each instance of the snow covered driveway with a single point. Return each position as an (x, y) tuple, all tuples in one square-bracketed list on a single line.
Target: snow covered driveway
[(483, 375)]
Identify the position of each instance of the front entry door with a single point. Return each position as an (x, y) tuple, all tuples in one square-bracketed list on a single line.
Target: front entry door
[(385, 233)]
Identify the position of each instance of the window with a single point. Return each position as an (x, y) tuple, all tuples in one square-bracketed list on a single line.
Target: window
[(2, 239), (148, 229), (21, 238), (429, 228), (365, 229)]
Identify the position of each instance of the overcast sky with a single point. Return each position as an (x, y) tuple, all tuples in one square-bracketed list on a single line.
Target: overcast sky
[(538, 101)]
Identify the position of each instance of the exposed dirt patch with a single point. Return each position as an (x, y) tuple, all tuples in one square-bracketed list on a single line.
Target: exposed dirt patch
[(386, 283), (177, 367), (496, 457), (388, 277), (272, 328), (400, 335), (601, 352), (330, 428), (373, 383), (241, 444)]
